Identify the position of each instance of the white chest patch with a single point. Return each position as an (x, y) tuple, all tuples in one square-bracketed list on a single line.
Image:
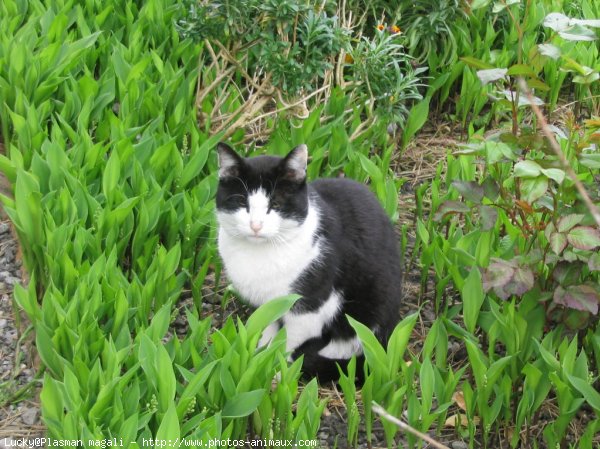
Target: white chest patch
[(262, 269)]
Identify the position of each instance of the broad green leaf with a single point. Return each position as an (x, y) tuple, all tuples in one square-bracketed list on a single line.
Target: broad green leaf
[(533, 189), (166, 378), (169, 426), (472, 297), (476, 63), (193, 167), (269, 312), (415, 121), (521, 70), (554, 174), (374, 352), (422, 232), (527, 169), (398, 341), (243, 404), (590, 394), (110, 178)]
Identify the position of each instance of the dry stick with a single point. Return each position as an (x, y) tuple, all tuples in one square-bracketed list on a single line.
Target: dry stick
[(382, 412), (202, 93), (556, 148), (287, 106)]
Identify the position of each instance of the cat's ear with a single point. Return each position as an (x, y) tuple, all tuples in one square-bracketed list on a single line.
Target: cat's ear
[(229, 161), (294, 164)]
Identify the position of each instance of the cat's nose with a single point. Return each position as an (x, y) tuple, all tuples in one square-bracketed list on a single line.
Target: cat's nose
[(256, 226)]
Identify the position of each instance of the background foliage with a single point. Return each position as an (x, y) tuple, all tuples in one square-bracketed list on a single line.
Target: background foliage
[(109, 114)]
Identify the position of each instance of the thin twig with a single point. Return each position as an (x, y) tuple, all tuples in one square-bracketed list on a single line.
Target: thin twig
[(561, 157), (203, 92), (287, 106), (382, 412)]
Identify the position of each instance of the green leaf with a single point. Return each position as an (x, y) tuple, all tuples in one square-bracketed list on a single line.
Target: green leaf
[(374, 352), (193, 167), (533, 189), (269, 312), (590, 394), (110, 178), (527, 169), (555, 174), (472, 296), (476, 63), (169, 426), (521, 70), (166, 378), (369, 166), (422, 232), (243, 404), (416, 119)]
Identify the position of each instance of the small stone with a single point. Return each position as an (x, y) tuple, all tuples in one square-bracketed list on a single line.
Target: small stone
[(459, 445), (29, 416), (3, 323)]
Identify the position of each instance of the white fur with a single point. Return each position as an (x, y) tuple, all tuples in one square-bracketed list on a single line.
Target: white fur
[(341, 349), (304, 326), (264, 266)]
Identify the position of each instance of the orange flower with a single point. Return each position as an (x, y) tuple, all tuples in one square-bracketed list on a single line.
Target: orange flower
[(380, 27), (395, 30)]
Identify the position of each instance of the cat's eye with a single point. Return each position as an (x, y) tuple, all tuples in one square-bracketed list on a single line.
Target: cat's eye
[(239, 200), (274, 204)]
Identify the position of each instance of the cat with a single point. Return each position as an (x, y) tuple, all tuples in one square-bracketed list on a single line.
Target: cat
[(329, 241)]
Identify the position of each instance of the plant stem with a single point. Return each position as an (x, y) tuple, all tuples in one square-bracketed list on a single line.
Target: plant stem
[(407, 428)]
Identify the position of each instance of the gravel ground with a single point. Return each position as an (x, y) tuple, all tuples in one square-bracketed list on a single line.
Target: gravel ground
[(19, 407)]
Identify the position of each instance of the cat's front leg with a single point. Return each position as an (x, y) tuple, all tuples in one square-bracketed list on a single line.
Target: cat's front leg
[(268, 334), (300, 328)]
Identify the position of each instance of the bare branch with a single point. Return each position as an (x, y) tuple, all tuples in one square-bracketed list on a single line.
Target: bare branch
[(402, 425)]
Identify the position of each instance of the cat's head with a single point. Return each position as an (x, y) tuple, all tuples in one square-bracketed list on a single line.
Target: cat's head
[(264, 198)]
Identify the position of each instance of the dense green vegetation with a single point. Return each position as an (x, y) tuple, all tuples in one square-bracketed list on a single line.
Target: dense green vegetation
[(109, 115)]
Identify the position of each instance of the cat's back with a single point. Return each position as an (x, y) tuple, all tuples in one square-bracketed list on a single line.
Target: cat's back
[(351, 201)]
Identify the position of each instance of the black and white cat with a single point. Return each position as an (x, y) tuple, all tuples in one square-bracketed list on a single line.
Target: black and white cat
[(329, 241)]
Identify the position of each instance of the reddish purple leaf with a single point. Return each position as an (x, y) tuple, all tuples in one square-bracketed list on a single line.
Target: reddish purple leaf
[(578, 297), (450, 207), (584, 237), (567, 222), (558, 242)]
